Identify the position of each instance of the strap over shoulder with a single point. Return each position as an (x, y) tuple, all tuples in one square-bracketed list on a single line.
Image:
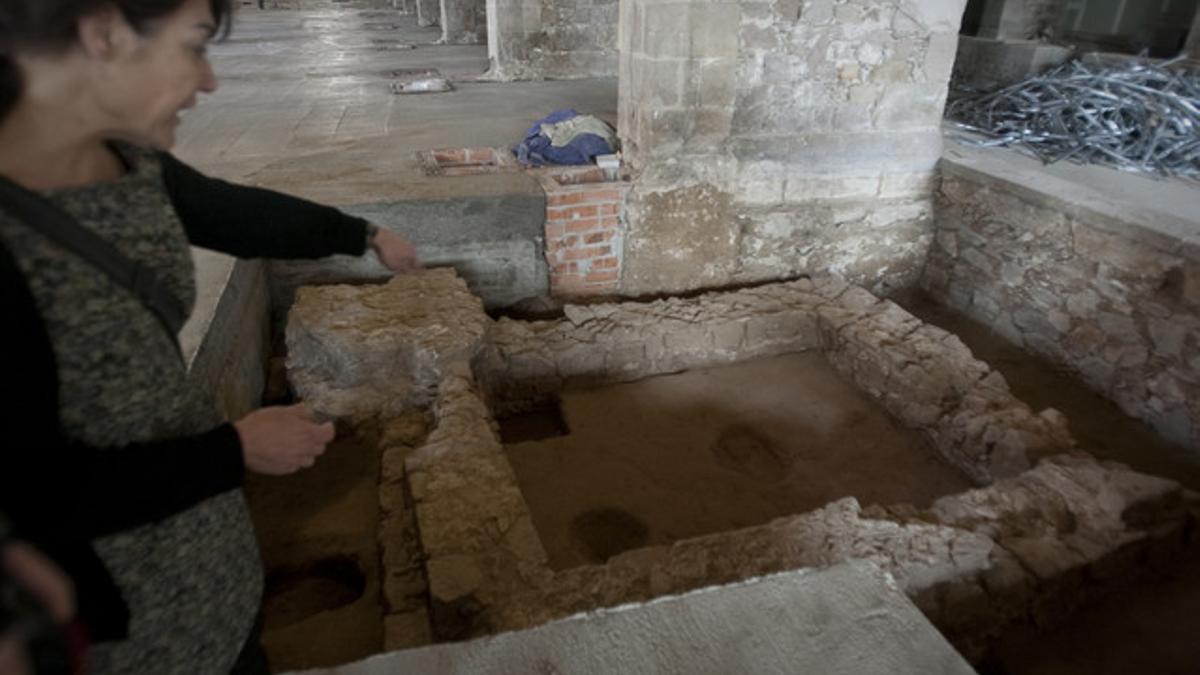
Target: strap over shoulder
[(38, 213)]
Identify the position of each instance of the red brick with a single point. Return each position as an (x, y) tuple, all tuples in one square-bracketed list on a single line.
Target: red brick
[(609, 209), (555, 230), (602, 195), (598, 237), (605, 264), (565, 268), (567, 283), (610, 221), (563, 198), (470, 170), (572, 213), (586, 253), (607, 275), (445, 156), (481, 155), (584, 225)]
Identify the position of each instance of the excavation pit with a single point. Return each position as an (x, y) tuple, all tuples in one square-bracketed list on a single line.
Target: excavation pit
[(714, 449), (1042, 528)]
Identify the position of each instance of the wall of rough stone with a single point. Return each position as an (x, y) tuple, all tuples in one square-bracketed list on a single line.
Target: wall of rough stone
[(780, 137), (1112, 299), (923, 376), (1032, 545), (555, 39)]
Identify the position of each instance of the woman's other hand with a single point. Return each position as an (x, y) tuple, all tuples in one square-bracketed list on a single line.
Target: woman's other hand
[(395, 252), (282, 439)]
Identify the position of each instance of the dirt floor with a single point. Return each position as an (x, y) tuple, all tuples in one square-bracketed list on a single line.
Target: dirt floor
[(715, 449), (1148, 628), (317, 531)]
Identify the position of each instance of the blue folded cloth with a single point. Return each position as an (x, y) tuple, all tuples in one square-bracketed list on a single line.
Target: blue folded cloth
[(537, 150)]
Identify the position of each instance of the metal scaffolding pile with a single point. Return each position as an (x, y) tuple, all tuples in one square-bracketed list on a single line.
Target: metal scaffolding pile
[(1136, 116)]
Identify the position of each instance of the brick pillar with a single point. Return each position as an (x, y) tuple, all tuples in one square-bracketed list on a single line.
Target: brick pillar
[(584, 231)]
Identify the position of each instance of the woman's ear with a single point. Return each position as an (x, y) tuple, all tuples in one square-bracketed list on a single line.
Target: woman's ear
[(104, 33)]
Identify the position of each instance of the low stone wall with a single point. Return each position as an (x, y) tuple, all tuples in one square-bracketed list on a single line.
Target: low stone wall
[(376, 351), (1031, 544), (1108, 294), (925, 377)]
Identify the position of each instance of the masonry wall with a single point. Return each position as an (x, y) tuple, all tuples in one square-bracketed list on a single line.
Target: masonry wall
[(778, 138), (555, 39), (1111, 299)]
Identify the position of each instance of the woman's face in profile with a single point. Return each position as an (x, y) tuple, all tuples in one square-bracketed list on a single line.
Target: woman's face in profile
[(153, 76)]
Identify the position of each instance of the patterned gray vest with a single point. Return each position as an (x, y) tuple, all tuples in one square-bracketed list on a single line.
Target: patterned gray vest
[(193, 582)]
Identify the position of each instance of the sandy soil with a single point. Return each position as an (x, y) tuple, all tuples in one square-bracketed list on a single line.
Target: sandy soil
[(715, 449)]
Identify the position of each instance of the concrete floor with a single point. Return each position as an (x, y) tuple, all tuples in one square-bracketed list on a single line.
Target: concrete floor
[(715, 449), (304, 106)]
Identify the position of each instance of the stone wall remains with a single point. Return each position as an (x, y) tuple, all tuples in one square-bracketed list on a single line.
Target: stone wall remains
[(555, 39), (1110, 298), (1032, 544)]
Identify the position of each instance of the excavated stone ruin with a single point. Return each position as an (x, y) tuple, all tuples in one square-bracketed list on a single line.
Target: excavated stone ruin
[(419, 359)]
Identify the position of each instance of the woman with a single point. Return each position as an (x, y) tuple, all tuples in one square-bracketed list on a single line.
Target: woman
[(110, 460)]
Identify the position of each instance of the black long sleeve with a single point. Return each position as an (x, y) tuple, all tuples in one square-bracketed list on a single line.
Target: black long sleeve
[(250, 222)]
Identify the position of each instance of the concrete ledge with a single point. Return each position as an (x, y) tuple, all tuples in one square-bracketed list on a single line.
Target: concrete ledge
[(226, 341), (1158, 212), (847, 619)]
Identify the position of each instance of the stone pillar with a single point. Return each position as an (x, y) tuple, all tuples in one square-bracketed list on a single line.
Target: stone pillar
[(678, 70), (429, 13), (508, 24), (780, 137), (680, 62), (464, 22), (1020, 19), (560, 39)]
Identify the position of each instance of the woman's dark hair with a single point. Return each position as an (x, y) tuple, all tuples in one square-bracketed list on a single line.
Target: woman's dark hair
[(52, 25)]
